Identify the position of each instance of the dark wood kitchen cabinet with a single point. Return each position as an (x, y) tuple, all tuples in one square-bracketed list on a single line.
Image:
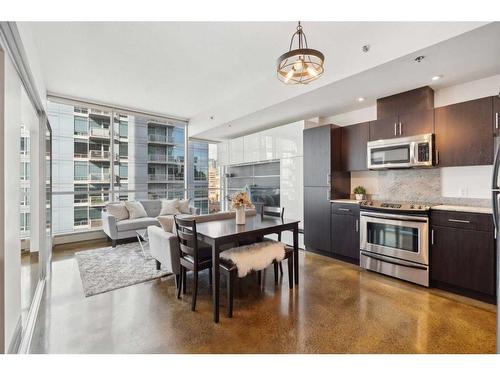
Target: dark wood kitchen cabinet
[(404, 115), (354, 139), (345, 231), (317, 156), (317, 218), (462, 257), (496, 115), (464, 133)]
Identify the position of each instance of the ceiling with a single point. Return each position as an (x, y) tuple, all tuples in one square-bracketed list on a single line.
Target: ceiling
[(223, 73)]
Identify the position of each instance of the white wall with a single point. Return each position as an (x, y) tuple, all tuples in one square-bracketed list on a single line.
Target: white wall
[(456, 182)]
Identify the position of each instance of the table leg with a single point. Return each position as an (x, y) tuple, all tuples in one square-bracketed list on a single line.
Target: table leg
[(142, 247), (296, 254), (215, 280)]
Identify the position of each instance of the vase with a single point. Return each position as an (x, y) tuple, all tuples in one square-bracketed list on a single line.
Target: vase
[(360, 197), (240, 215)]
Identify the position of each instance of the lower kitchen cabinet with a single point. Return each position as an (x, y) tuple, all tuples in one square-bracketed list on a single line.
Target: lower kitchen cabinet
[(345, 231), (463, 258)]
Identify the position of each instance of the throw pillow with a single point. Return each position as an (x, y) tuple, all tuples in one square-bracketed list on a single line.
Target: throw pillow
[(169, 207), (184, 206), (136, 210), (118, 210), (167, 223)]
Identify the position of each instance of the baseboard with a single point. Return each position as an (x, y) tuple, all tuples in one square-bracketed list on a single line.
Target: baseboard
[(16, 338), (25, 343), (61, 239)]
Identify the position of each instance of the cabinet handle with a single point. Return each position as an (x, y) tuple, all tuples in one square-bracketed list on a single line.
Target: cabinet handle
[(328, 195), (496, 120), (459, 221), (432, 236), (357, 225), (437, 157), (395, 129), (344, 209), (328, 179), (400, 128)]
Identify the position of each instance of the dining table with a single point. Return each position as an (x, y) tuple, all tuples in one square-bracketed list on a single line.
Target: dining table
[(218, 233)]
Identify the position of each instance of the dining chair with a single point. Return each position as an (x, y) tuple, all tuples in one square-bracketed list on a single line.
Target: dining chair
[(196, 259), (271, 211)]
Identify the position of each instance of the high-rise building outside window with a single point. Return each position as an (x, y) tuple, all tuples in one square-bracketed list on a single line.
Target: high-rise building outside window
[(103, 155)]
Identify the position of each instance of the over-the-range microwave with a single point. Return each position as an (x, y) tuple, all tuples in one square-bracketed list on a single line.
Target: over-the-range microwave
[(405, 152)]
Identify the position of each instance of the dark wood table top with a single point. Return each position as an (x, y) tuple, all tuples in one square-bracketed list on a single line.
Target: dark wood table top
[(218, 229)]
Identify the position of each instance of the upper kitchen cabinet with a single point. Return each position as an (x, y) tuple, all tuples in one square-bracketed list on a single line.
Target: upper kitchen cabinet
[(464, 133), (251, 146), (236, 154), (317, 156), (223, 153), (268, 144), (403, 115), (415, 123), (421, 99), (496, 115), (289, 140), (354, 139)]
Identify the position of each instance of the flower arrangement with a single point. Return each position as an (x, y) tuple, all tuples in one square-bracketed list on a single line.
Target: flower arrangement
[(241, 200)]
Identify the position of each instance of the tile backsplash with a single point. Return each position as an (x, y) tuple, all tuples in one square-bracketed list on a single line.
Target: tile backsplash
[(457, 186)]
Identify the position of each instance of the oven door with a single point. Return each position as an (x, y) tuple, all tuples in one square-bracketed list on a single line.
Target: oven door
[(398, 236)]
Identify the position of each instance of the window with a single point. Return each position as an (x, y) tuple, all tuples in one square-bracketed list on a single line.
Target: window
[(81, 170), (81, 125), (81, 216), (133, 165)]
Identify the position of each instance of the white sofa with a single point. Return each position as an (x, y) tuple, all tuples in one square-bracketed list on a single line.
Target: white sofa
[(120, 229), (163, 243)]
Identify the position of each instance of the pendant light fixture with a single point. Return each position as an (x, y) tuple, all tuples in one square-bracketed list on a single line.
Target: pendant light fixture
[(301, 65)]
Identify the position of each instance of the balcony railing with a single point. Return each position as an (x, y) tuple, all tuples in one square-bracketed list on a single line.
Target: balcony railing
[(160, 138), (99, 154), (81, 200), (98, 201), (102, 133), (164, 158), (164, 178), (81, 223), (99, 177)]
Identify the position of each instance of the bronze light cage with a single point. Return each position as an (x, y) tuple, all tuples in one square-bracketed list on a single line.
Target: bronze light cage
[(301, 65)]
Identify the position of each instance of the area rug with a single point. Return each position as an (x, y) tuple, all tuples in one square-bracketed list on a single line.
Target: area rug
[(107, 268)]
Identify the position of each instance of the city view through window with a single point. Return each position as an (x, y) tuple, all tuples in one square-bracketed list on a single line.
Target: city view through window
[(103, 155)]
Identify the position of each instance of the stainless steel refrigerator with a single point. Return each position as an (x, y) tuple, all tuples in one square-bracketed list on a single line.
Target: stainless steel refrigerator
[(495, 192)]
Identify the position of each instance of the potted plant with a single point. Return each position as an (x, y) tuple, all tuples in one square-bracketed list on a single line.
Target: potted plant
[(360, 193), (240, 201)]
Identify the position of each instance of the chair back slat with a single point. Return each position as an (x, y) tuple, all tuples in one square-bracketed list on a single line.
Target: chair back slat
[(272, 211), (187, 236)]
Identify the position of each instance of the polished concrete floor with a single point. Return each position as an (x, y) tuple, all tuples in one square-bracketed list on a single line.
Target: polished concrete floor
[(337, 308)]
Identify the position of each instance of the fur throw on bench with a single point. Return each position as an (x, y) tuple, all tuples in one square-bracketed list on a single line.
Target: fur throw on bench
[(254, 257)]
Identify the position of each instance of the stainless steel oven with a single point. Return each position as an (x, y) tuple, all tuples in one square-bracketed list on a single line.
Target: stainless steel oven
[(407, 152), (394, 240)]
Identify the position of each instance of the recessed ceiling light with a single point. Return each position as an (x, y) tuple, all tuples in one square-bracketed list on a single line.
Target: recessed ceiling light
[(435, 78), (361, 99)]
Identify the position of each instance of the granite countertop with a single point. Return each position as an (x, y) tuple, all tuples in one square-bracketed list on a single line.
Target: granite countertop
[(352, 201), (447, 207)]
